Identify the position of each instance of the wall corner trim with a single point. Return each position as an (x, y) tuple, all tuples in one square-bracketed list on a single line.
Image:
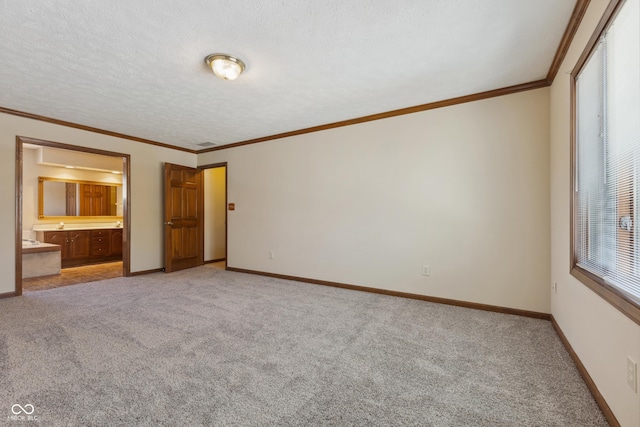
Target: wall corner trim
[(591, 385)]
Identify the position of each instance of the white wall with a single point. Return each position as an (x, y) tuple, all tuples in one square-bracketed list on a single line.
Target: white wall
[(464, 189), (601, 336), (214, 213), (146, 192)]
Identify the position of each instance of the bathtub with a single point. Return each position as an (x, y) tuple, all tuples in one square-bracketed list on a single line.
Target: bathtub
[(40, 259)]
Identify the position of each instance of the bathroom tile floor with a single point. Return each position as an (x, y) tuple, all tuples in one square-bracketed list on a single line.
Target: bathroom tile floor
[(73, 276), (84, 274)]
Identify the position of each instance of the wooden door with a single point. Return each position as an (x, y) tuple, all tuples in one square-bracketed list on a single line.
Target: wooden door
[(182, 218), (70, 194), (86, 200), (95, 200)]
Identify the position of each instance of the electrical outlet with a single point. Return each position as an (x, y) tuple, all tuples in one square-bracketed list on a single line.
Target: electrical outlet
[(272, 255), (426, 270), (632, 374)]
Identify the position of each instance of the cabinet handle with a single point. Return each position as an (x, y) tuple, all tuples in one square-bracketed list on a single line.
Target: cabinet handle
[(66, 241)]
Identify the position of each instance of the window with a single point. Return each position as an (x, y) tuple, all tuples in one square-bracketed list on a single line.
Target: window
[(606, 156)]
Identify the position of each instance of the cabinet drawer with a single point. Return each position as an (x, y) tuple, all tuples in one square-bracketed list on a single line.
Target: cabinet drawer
[(99, 233), (100, 250), (95, 240)]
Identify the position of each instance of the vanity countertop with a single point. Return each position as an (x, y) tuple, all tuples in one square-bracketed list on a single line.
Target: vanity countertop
[(68, 227)]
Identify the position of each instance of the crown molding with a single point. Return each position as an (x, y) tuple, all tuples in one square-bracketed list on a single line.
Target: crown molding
[(409, 110), (91, 129)]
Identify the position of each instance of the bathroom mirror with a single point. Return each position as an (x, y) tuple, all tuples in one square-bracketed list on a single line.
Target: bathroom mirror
[(64, 198)]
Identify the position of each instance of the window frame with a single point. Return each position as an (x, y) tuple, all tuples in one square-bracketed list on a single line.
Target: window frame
[(609, 293)]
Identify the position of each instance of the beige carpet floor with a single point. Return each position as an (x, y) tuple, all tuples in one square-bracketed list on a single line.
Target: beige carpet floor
[(211, 347)]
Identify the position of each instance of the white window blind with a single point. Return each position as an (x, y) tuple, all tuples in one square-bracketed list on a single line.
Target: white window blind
[(607, 214)]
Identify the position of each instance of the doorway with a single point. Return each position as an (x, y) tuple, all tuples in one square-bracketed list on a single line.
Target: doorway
[(215, 214), (86, 252)]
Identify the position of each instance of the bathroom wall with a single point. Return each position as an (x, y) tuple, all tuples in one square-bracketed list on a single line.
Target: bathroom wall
[(32, 170)]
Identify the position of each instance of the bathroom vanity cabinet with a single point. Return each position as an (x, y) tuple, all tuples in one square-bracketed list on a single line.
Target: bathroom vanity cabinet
[(82, 247)]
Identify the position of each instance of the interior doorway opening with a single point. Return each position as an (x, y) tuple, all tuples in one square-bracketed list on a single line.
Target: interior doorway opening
[(72, 214), (215, 214)]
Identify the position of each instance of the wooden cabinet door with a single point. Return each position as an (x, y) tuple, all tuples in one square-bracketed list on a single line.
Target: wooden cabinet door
[(79, 244), (58, 238), (116, 242)]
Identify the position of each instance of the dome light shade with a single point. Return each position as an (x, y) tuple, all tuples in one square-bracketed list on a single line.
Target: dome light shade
[(226, 67)]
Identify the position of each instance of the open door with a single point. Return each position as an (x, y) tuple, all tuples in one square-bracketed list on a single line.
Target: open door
[(182, 217)]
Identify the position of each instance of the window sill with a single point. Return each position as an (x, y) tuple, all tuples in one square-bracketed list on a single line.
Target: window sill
[(610, 294)]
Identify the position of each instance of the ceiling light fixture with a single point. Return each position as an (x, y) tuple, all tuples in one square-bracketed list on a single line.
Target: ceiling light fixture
[(225, 66)]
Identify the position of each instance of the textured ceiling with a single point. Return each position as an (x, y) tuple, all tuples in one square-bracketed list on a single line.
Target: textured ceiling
[(137, 67)]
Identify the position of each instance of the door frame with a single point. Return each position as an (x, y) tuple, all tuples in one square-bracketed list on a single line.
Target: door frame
[(226, 210), (126, 205)]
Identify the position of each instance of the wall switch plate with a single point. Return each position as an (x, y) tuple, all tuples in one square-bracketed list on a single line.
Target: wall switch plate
[(632, 374), (426, 270), (272, 255), (555, 287)]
